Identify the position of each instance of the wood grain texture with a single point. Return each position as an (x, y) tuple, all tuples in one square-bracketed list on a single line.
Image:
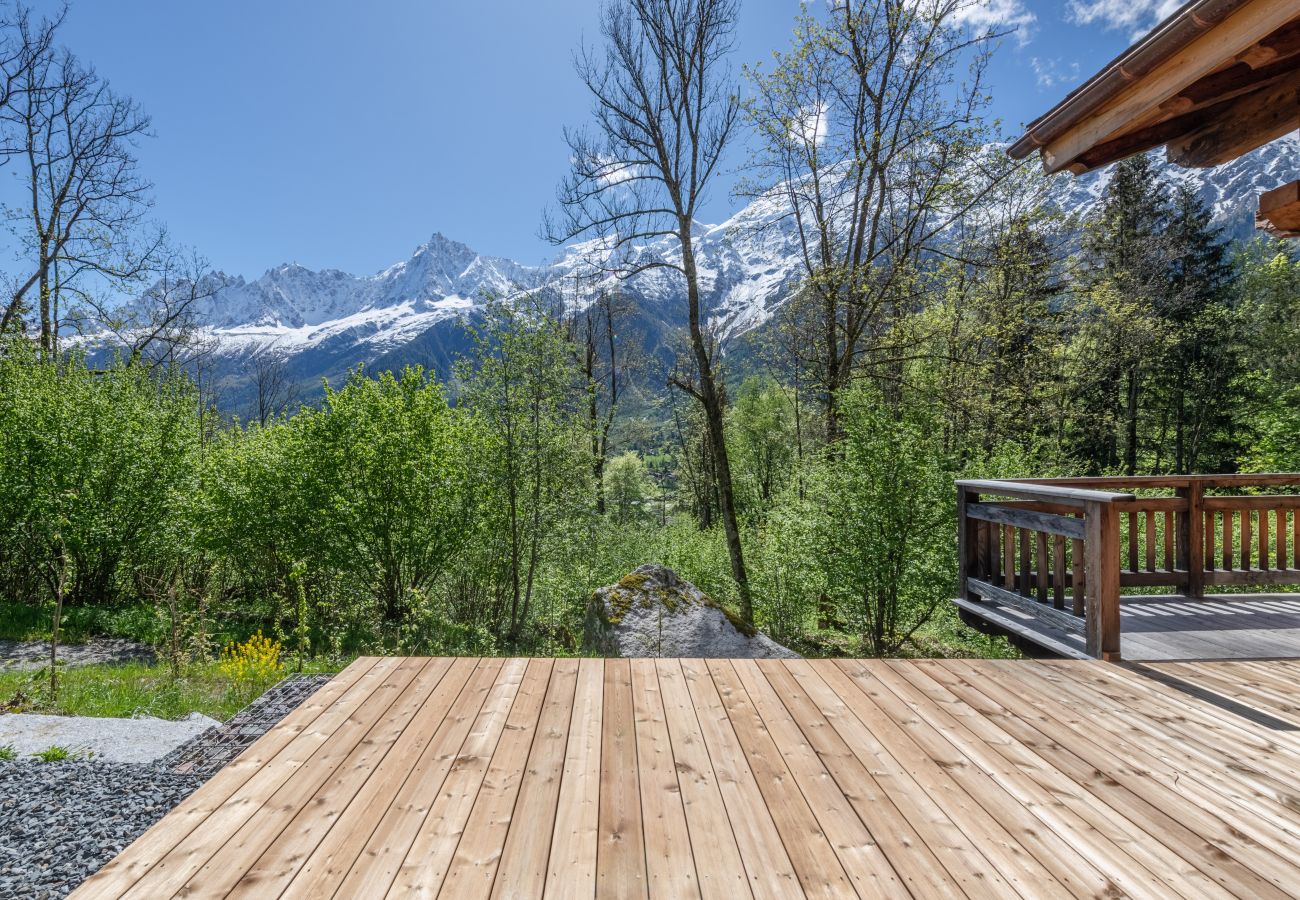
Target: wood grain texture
[(772, 778)]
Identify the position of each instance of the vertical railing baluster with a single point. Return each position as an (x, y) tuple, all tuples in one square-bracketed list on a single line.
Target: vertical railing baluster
[(1228, 555), (1247, 543), (1041, 563), (1263, 540), (1058, 572), (1026, 589)]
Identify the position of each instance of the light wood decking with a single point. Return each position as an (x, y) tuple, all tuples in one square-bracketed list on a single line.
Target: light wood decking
[(1171, 628), (676, 778)]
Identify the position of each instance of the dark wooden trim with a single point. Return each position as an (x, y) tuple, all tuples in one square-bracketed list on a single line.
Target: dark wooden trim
[(1056, 617), (1064, 526), (1101, 548), (1253, 577)]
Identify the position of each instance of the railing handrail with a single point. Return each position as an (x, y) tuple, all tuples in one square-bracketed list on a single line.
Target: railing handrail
[(1083, 515), (1024, 490), (1224, 480)]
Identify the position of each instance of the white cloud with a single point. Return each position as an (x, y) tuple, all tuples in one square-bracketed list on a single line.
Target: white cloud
[(1051, 73), (811, 127), (1137, 16), (998, 14), (611, 171)]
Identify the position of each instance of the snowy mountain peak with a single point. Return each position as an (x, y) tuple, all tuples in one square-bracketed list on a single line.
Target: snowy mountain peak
[(327, 320)]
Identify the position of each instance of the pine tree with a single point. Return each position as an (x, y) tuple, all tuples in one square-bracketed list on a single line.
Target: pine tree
[(1197, 378), (1124, 246)]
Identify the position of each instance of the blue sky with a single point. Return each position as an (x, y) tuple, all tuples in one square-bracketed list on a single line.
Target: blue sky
[(342, 133)]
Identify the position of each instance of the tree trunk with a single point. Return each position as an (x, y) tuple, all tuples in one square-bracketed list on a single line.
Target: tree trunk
[(711, 400)]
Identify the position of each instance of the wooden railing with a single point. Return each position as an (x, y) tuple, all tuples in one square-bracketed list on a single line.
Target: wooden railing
[(1062, 549)]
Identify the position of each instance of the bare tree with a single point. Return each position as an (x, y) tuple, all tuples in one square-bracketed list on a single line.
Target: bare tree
[(874, 143), (274, 390), (159, 327), (604, 352), (72, 139), (665, 111)]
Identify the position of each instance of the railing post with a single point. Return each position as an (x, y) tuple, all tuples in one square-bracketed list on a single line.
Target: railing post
[(1191, 539), (967, 544), (1101, 561)]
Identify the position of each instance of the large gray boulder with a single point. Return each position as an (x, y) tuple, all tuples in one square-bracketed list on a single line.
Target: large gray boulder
[(653, 612)]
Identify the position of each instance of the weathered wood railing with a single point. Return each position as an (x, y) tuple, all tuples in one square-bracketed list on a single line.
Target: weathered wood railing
[(1062, 549)]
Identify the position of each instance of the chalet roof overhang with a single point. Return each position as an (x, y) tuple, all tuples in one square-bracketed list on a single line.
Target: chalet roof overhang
[(1215, 80)]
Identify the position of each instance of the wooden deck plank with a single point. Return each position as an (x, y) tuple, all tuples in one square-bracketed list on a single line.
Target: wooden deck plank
[(1090, 768), (328, 741), (620, 859), (842, 738), (372, 809), (378, 851), (771, 872), (571, 866), (774, 778), (854, 843), (1029, 823), (474, 865), (719, 866), (1025, 875), (522, 872), (669, 860), (334, 773), (355, 782), (1120, 853), (1063, 777), (125, 870), (1238, 777), (431, 851), (1177, 806), (820, 871)]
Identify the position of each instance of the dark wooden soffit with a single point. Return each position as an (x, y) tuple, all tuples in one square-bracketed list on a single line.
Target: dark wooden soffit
[(1279, 210), (1215, 80)]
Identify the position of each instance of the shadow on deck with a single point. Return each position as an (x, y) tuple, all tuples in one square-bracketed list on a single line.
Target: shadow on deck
[(1165, 628)]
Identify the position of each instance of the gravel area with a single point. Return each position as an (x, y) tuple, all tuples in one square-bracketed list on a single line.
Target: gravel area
[(209, 752), (31, 655), (138, 740), (61, 821)]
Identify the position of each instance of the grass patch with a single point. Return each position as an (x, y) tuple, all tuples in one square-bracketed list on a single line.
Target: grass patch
[(8, 753), (131, 689), (54, 754)]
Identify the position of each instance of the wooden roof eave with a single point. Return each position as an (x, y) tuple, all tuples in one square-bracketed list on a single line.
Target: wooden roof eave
[(1279, 210), (1206, 54)]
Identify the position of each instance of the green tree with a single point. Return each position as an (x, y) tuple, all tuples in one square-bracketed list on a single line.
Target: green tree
[(391, 484), (884, 519), (521, 390), (628, 487)]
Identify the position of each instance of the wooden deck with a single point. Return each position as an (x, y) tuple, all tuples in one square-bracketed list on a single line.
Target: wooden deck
[(1172, 628), (729, 778)]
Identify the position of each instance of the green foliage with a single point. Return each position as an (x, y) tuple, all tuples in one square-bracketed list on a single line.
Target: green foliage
[(8, 753), (761, 440), (628, 488), (136, 689), (54, 754), (94, 462), (884, 519)]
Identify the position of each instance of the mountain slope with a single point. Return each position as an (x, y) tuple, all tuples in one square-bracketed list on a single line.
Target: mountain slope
[(324, 322)]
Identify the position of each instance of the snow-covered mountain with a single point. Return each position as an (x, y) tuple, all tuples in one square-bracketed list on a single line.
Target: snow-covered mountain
[(324, 322)]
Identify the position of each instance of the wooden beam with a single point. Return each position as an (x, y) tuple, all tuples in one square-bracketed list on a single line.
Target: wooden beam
[(1279, 209), (1201, 57), (1248, 122)]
